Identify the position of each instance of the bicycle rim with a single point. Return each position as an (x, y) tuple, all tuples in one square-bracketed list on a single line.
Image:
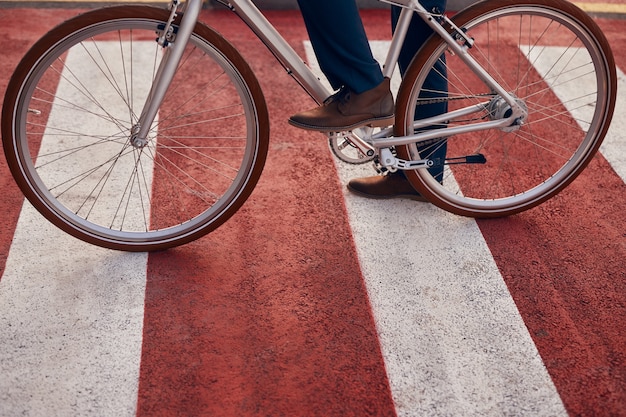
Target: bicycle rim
[(556, 62), (74, 113)]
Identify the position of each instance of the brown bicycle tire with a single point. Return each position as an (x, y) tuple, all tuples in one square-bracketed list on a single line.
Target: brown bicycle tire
[(128, 12)]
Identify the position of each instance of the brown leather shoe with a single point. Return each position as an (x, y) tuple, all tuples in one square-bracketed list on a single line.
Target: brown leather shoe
[(390, 185), (347, 110)]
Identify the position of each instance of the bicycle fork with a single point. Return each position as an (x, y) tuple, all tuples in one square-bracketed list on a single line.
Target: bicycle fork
[(174, 43)]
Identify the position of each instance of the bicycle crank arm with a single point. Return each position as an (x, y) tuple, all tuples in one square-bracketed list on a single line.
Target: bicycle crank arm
[(391, 162), (388, 160), (458, 160), (478, 158)]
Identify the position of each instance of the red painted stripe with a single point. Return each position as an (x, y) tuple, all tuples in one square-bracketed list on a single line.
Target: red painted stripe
[(564, 263), (254, 321), (269, 314), (613, 30)]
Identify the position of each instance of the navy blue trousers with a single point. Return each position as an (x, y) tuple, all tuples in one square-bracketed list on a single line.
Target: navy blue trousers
[(435, 85), (340, 44), (343, 52)]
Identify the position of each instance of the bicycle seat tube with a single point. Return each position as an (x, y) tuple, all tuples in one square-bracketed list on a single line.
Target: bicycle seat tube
[(166, 71)]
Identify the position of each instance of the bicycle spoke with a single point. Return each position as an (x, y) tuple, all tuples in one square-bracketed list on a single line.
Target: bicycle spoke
[(551, 65)]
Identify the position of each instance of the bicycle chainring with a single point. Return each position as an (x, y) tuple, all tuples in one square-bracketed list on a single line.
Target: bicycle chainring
[(346, 151)]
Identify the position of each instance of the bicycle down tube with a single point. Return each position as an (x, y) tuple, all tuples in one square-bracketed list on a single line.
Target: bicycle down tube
[(279, 47)]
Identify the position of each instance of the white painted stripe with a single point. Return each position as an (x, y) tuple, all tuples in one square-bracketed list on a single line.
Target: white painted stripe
[(96, 125), (614, 146), (451, 336), (72, 314), (71, 325)]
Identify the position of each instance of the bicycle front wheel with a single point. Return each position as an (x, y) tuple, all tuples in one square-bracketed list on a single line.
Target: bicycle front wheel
[(555, 61), (73, 104)]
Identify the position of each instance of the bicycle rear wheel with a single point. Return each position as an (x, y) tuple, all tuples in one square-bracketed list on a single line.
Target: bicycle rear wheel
[(70, 110), (555, 60)]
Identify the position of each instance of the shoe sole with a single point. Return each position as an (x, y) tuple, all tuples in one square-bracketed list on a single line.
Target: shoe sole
[(376, 122), (414, 197)]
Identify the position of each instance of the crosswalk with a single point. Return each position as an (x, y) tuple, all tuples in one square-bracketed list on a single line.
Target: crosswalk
[(90, 332)]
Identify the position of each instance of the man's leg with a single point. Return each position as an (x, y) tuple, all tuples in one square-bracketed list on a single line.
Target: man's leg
[(418, 34), (395, 185), (343, 52), (340, 44)]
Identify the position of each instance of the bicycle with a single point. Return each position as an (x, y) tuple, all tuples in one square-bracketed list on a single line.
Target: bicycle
[(141, 157)]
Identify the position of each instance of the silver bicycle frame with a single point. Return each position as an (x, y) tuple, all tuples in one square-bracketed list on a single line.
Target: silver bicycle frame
[(246, 10), (296, 68)]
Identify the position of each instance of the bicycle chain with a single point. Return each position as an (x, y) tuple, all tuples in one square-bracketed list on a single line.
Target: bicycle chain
[(447, 99)]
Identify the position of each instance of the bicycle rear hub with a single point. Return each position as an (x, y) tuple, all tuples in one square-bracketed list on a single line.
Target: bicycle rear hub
[(499, 109)]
